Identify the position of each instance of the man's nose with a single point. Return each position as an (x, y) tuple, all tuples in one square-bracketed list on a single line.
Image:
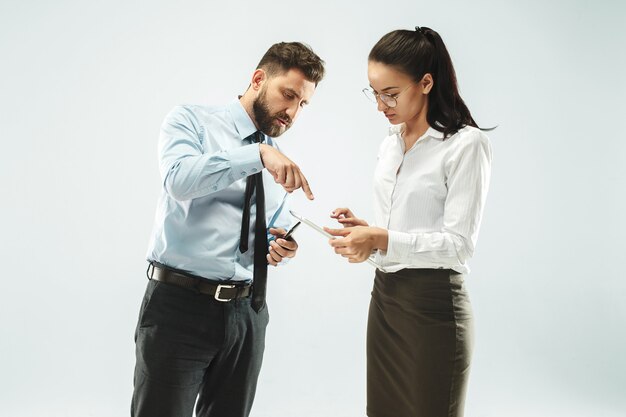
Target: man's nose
[(292, 111)]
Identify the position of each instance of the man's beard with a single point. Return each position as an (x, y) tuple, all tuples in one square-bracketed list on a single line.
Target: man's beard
[(265, 120)]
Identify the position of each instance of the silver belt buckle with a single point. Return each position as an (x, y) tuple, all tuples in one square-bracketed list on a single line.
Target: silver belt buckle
[(218, 291)]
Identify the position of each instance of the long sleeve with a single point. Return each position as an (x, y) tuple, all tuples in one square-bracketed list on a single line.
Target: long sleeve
[(205, 155), (189, 170), (467, 170)]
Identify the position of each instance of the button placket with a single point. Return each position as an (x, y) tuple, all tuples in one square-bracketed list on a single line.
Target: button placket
[(398, 166)]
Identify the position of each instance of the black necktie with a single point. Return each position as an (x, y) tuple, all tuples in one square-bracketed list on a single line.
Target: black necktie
[(260, 234)]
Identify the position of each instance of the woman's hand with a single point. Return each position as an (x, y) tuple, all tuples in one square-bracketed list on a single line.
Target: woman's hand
[(345, 216), (357, 243)]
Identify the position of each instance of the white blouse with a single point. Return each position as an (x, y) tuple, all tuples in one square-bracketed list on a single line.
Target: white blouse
[(431, 198)]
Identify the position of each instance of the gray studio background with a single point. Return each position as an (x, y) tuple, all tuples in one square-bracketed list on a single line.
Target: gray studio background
[(84, 87)]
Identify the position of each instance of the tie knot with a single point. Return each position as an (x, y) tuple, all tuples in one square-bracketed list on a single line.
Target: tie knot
[(258, 137)]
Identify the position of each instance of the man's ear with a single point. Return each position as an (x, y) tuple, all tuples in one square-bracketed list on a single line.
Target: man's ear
[(427, 83), (258, 78)]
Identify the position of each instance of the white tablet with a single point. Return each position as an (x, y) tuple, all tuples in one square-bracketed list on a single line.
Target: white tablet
[(328, 235)]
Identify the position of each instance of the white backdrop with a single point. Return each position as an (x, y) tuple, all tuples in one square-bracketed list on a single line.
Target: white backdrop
[(84, 87)]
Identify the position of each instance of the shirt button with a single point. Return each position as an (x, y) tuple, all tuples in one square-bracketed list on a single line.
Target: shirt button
[(243, 173), (254, 169), (215, 187)]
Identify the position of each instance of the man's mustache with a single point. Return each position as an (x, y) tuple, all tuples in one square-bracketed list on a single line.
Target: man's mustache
[(284, 117)]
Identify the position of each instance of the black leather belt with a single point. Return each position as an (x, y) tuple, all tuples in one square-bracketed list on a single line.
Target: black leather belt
[(220, 291)]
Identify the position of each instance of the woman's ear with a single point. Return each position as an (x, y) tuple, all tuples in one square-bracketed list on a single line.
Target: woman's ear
[(427, 83)]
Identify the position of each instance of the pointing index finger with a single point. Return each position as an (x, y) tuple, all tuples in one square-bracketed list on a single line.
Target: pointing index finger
[(306, 188)]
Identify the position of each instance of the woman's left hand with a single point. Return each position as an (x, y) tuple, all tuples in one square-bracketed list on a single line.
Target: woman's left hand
[(357, 243)]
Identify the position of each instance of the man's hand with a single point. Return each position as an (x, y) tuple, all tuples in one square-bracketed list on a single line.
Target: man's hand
[(281, 248), (357, 243), (284, 170), (345, 216)]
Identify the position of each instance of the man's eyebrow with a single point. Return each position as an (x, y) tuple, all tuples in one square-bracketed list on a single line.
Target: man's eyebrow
[(292, 91)]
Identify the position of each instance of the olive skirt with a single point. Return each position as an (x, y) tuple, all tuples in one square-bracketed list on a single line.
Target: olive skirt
[(419, 344)]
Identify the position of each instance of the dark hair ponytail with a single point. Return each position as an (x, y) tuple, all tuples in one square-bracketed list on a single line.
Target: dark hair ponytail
[(417, 53)]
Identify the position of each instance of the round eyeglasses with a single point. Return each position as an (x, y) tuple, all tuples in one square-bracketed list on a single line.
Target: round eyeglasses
[(389, 100)]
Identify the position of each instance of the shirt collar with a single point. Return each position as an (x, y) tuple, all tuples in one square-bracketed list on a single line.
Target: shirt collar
[(243, 123), (432, 133)]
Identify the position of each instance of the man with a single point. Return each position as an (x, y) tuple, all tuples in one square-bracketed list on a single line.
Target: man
[(201, 327)]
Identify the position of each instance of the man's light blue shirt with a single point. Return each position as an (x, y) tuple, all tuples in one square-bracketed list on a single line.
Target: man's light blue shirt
[(205, 156)]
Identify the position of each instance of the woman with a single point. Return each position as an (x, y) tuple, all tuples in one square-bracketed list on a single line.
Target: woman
[(430, 185)]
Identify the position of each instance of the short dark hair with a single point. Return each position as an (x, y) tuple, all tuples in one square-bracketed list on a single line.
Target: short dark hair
[(283, 56)]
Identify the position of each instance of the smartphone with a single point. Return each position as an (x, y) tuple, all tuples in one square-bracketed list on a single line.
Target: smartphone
[(288, 234)]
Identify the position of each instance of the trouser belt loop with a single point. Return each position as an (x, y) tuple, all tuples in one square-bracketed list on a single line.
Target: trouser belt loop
[(150, 271)]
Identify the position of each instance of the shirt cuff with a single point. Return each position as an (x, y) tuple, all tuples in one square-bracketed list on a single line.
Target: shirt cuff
[(284, 262), (398, 246), (245, 160)]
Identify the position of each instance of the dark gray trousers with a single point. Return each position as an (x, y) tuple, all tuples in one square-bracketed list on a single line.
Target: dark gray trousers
[(419, 344), (190, 346)]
